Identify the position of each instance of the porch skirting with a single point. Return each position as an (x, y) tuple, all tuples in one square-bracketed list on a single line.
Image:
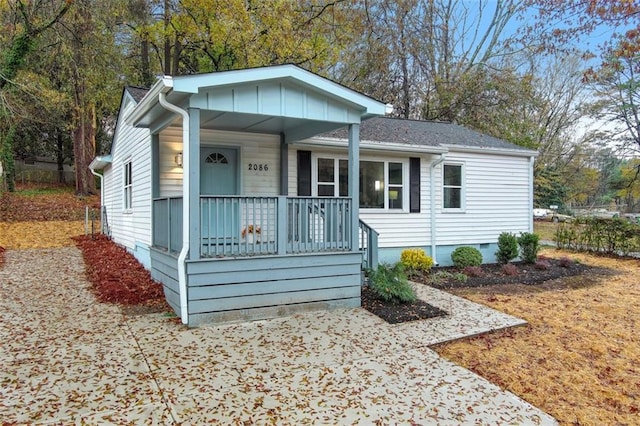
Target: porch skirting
[(249, 288)]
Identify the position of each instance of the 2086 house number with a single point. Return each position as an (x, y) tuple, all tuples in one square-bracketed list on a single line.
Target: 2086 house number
[(255, 167)]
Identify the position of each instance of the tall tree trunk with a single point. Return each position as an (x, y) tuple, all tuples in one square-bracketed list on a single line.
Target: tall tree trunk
[(7, 159), (60, 156), (147, 77), (167, 38), (84, 145)]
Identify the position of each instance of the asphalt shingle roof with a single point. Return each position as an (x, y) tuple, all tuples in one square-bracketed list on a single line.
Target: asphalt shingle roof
[(136, 92), (425, 133)]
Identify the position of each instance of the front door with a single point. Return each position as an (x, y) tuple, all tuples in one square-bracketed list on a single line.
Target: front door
[(219, 176)]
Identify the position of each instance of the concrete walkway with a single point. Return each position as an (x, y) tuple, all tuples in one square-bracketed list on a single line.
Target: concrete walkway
[(67, 359)]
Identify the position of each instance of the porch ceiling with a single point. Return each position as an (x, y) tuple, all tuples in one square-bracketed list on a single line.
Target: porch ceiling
[(296, 128)]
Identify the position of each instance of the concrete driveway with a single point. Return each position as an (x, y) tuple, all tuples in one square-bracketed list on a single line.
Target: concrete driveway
[(67, 359)]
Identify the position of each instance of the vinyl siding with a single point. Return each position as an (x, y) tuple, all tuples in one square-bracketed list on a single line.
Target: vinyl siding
[(133, 226), (253, 149), (496, 199), (395, 228), (496, 196)]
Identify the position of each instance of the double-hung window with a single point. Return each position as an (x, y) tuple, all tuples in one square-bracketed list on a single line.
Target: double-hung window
[(452, 188), (128, 186), (333, 177), (382, 185)]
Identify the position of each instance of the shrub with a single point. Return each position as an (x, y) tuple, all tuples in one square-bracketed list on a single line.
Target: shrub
[(565, 262), (460, 277), (599, 234), (439, 277), (390, 284), (507, 247), (529, 246), (415, 260), (510, 269), (466, 256), (473, 271), (542, 265)]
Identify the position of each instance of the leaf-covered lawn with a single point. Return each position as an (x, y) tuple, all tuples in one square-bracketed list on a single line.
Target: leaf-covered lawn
[(39, 234), (43, 204), (579, 357)]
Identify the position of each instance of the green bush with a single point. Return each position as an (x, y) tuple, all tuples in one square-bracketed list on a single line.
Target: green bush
[(390, 283), (507, 247), (415, 260), (600, 235), (466, 256), (529, 246)]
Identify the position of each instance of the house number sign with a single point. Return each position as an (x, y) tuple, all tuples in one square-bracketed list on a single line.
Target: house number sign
[(259, 167)]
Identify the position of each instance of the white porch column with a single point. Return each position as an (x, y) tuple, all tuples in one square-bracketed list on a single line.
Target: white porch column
[(354, 183), (193, 168)]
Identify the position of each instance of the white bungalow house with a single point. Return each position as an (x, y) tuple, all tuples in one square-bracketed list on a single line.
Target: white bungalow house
[(260, 192)]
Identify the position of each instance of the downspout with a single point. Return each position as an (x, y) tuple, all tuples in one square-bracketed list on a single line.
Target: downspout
[(432, 191), (93, 172), (531, 178), (182, 275)]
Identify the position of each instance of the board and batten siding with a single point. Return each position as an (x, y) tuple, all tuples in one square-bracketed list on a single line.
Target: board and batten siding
[(497, 199), (133, 227), (253, 149)]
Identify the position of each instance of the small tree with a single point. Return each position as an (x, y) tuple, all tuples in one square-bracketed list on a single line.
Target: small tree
[(529, 246), (507, 247)]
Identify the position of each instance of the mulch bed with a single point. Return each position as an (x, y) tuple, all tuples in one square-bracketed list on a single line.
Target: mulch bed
[(527, 274), (395, 313), (556, 274), (2, 254), (117, 277)]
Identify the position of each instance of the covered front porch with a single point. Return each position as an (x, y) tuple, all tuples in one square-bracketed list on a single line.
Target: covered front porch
[(233, 236), (262, 256)]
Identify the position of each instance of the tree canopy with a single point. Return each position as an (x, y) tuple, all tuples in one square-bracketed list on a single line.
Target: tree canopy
[(63, 63)]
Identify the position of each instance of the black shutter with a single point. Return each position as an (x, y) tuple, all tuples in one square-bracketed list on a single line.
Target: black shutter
[(304, 173), (414, 185)]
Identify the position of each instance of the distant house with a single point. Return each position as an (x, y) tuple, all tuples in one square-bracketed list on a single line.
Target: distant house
[(261, 192)]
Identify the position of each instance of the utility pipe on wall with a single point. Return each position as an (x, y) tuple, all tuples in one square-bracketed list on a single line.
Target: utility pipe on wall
[(182, 276), (101, 197), (432, 193)]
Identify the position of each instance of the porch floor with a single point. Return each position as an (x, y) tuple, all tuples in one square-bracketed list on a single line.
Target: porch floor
[(337, 367)]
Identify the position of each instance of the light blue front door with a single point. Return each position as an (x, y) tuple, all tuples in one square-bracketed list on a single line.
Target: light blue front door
[(219, 176)]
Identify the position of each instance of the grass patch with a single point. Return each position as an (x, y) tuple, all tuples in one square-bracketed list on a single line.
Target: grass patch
[(578, 357), (34, 192), (546, 230)]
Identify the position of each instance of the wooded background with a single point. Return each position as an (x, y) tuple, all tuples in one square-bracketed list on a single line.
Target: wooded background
[(557, 76)]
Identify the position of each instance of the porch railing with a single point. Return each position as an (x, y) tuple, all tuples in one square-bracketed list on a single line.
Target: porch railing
[(248, 226), (167, 223), (368, 245)]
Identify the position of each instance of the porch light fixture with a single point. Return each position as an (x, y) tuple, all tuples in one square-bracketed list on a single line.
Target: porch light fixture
[(178, 159)]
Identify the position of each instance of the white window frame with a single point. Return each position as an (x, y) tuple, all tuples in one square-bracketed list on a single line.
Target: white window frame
[(462, 188), (127, 186), (336, 159)]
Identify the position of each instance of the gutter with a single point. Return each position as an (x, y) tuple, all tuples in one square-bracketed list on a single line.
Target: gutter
[(374, 146), (432, 191), (182, 276), (163, 85)]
